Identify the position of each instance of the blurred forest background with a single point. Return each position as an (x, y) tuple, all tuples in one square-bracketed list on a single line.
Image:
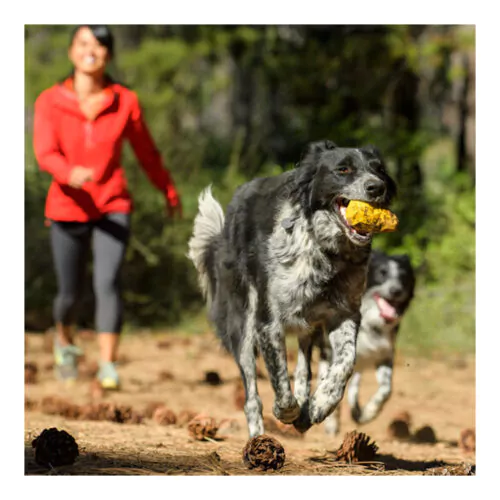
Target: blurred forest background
[(228, 103)]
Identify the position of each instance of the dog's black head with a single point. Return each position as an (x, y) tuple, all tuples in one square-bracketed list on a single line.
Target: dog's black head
[(334, 176), (391, 284)]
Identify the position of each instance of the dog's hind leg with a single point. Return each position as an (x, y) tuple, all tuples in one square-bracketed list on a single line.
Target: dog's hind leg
[(253, 404), (273, 348), (242, 331), (331, 388), (377, 401), (353, 394), (302, 375)]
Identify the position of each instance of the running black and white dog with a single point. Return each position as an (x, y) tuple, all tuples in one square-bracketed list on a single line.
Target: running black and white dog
[(285, 257), (390, 290)]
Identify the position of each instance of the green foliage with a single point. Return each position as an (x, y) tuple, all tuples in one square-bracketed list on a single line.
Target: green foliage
[(441, 319), (228, 103)]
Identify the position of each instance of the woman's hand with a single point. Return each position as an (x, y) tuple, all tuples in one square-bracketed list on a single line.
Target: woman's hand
[(173, 201), (174, 208), (79, 176)]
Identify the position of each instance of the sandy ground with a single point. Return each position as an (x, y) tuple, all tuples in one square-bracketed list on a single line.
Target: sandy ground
[(437, 392)]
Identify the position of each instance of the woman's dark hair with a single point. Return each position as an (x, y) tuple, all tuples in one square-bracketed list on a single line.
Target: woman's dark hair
[(102, 33)]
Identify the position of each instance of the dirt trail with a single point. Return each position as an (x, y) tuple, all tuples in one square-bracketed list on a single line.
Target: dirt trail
[(439, 393)]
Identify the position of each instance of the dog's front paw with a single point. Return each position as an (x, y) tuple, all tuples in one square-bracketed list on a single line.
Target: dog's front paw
[(318, 412), (303, 423), (364, 415), (286, 413), (356, 413)]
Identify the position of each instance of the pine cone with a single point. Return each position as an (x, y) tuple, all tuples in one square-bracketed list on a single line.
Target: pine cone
[(425, 434), (356, 447), (110, 412), (404, 416), (164, 416), (30, 373), (151, 407), (48, 366), (120, 414), (212, 378), (165, 375), (202, 427), (30, 405), (54, 448), (71, 411), (134, 417), (89, 412), (164, 344), (468, 440), (398, 429), (185, 416), (54, 405), (127, 415), (264, 452)]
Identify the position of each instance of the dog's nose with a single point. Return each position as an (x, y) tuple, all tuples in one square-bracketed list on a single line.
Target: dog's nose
[(395, 291), (375, 188)]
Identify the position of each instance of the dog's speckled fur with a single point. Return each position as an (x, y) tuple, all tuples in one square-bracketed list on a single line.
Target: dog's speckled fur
[(283, 259)]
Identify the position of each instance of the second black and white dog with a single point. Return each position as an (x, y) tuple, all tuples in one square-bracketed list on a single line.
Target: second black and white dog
[(390, 290), (284, 257)]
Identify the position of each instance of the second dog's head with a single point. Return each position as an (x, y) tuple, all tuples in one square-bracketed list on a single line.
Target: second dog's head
[(333, 176), (390, 285)]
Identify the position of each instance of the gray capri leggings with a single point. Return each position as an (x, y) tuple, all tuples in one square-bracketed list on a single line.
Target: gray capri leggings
[(71, 242)]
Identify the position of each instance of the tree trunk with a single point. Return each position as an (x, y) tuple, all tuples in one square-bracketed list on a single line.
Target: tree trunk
[(463, 111)]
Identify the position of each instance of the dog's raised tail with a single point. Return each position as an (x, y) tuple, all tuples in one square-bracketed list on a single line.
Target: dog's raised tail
[(208, 224)]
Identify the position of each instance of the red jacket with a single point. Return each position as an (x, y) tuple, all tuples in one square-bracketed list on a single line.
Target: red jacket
[(64, 138)]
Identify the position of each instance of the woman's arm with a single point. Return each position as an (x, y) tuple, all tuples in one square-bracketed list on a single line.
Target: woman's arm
[(149, 157), (47, 152)]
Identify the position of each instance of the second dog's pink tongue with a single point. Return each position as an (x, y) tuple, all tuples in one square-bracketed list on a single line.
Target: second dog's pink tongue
[(386, 310)]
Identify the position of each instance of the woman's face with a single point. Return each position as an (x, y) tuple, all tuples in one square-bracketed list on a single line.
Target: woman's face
[(87, 54)]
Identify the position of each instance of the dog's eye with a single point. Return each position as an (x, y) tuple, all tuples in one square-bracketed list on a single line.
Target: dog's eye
[(382, 272), (344, 169)]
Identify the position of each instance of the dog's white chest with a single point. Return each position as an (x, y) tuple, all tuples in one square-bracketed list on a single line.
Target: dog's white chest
[(374, 344), (299, 268)]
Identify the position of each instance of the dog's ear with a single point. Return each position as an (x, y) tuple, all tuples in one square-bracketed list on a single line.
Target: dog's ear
[(371, 149), (313, 149), (320, 146), (327, 144), (403, 259), (405, 262)]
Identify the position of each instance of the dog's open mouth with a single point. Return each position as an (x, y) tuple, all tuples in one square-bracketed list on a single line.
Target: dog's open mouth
[(387, 310), (341, 204)]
